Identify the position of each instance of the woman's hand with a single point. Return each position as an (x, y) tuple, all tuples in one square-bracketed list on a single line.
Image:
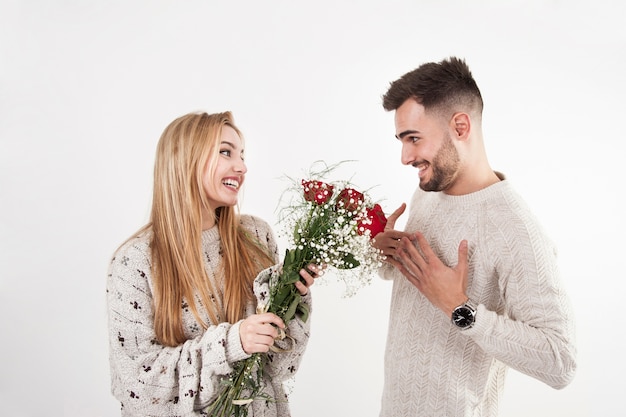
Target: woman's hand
[(308, 274), (258, 331)]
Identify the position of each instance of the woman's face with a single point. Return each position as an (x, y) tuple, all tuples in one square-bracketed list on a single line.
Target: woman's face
[(222, 185)]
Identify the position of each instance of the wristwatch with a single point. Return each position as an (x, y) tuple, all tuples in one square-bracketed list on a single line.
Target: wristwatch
[(464, 315)]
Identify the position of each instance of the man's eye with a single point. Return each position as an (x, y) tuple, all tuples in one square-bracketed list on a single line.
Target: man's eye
[(413, 139)]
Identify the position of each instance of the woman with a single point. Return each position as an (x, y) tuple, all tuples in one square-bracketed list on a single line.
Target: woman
[(180, 291)]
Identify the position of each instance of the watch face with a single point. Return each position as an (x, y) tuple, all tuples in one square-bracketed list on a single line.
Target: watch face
[(463, 317)]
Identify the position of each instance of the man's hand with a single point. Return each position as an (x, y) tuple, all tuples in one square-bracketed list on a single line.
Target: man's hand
[(444, 287), (388, 241)]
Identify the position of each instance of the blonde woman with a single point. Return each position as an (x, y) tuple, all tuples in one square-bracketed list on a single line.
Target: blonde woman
[(180, 292)]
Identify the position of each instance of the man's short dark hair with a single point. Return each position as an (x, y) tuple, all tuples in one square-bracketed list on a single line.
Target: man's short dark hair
[(446, 86)]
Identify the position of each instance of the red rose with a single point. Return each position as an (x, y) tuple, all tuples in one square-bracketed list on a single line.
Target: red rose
[(317, 191), (375, 221), (349, 199)]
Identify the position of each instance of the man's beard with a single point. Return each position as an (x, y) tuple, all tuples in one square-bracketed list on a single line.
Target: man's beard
[(444, 167)]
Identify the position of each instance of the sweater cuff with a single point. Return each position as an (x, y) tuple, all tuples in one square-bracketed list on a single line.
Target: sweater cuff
[(307, 299), (483, 322), (234, 349)]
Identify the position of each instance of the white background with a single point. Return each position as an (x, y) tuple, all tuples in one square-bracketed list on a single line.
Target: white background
[(87, 87)]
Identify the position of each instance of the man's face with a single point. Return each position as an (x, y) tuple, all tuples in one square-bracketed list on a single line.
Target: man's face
[(427, 145)]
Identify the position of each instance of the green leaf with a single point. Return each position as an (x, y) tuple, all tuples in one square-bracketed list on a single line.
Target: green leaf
[(349, 262), (290, 277), (280, 296), (291, 311), (303, 310), (290, 257)]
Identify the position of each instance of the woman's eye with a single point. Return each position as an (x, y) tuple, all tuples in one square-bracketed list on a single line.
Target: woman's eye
[(225, 152)]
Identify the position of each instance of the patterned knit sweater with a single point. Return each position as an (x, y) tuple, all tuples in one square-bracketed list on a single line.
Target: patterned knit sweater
[(153, 380), (523, 320)]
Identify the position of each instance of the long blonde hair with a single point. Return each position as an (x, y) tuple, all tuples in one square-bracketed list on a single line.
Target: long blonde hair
[(184, 149)]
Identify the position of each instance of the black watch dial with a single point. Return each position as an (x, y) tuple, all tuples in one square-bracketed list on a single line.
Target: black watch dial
[(463, 317)]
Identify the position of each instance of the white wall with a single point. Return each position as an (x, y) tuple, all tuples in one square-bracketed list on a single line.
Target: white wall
[(86, 88)]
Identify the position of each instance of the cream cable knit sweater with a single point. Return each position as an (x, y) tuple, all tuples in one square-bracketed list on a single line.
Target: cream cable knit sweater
[(152, 380), (523, 319)]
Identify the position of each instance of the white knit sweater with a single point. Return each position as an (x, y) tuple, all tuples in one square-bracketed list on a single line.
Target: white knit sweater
[(153, 380), (523, 321)]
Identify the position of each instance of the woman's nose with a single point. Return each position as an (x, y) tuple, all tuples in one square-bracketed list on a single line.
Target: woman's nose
[(241, 167)]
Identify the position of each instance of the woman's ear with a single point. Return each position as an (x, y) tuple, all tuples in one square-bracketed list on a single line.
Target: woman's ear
[(461, 123)]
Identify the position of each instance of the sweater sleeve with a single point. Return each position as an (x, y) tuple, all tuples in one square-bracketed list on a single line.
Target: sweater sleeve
[(531, 329), (387, 272), (147, 377), (283, 364)]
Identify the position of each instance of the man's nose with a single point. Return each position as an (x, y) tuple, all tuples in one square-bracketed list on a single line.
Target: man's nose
[(407, 157)]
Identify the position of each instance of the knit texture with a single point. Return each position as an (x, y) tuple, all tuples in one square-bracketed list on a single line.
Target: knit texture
[(523, 320), (153, 380)]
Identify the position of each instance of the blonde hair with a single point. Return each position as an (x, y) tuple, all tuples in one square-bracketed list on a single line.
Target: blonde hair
[(187, 145)]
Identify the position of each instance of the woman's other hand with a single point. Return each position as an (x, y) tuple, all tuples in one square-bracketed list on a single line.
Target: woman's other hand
[(308, 274)]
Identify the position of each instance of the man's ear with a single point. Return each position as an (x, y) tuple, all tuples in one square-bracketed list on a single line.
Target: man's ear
[(461, 123)]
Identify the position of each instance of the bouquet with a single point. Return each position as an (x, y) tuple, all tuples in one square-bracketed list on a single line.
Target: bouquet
[(329, 224)]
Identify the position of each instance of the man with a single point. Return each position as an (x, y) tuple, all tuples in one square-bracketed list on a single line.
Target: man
[(476, 287)]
